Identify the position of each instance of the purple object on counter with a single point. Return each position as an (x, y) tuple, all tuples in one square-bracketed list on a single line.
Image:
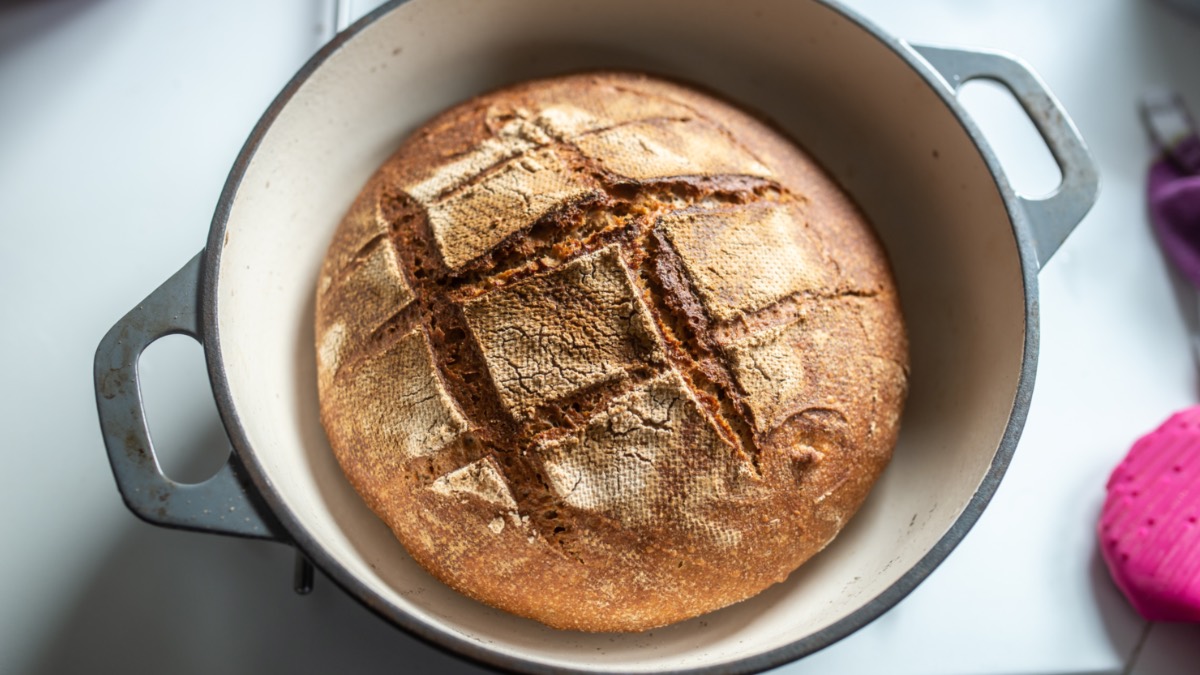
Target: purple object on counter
[(1175, 213), (1173, 187)]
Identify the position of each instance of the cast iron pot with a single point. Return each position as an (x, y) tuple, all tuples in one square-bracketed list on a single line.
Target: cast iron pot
[(880, 114)]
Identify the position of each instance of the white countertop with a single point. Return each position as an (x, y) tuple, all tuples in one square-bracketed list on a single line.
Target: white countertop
[(119, 120)]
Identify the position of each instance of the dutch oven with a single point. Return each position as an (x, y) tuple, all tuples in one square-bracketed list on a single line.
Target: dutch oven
[(880, 114)]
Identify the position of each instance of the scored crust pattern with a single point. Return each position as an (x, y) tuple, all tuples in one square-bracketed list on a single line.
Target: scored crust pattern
[(608, 353)]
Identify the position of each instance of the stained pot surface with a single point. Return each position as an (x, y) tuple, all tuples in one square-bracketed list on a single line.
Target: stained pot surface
[(847, 96)]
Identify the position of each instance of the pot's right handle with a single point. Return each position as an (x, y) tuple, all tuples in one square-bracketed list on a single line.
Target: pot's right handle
[(1054, 216), (223, 504)]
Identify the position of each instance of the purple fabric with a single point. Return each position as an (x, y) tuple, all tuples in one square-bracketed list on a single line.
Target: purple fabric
[(1174, 197), (1186, 154)]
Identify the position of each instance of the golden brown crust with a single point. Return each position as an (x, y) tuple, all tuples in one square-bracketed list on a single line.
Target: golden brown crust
[(607, 352)]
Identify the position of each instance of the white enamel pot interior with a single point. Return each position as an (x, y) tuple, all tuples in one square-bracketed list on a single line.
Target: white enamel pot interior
[(873, 112)]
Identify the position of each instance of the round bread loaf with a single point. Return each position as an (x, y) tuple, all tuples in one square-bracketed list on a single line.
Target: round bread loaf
[(607, 352)]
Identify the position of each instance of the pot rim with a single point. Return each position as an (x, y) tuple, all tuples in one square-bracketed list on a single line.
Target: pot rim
[(448, 642)]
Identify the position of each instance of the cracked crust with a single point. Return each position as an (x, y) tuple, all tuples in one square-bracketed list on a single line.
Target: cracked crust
[(607, 352), (472, 219), (742, 260), (556, 334), (829, 357), (650, 459)]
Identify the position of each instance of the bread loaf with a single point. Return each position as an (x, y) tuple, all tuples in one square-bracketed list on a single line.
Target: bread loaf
[(607, 352)]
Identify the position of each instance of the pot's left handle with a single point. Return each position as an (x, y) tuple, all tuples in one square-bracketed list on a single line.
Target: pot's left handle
[(223, 504), (1053, 217)]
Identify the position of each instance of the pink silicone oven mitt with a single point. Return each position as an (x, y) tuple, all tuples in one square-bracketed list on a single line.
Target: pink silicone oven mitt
[(1148, 529)]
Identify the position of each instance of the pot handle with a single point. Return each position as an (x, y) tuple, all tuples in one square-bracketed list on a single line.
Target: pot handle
[(223, 504), (1053, 217)]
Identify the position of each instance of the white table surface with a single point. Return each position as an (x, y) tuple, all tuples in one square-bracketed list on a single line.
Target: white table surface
[(119, 120)]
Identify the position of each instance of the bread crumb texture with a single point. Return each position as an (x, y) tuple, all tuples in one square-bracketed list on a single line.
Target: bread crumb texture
[(607, 352)]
